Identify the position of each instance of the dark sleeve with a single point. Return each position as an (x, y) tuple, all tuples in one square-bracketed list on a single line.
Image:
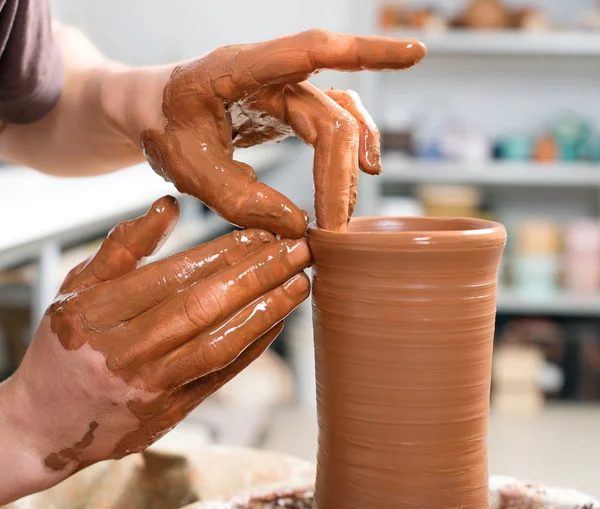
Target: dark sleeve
[(31, 70)]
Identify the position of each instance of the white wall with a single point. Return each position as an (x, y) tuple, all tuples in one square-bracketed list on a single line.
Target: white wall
[(161, 31)]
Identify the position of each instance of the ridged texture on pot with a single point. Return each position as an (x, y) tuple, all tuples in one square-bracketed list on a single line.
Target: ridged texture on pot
[(403, 313)]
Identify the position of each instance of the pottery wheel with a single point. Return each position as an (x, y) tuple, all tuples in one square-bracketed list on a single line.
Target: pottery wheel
[(219, 477)]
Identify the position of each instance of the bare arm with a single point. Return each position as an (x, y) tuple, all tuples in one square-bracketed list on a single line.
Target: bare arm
[(78, 136)]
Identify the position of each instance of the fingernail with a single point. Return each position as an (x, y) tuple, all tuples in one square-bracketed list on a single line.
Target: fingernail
[(165, 203), (297, 285), (298, 252), (374, 158), (293, 225)]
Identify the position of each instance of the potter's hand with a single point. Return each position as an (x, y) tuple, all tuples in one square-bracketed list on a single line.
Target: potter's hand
[(124, 354), (243, 95)]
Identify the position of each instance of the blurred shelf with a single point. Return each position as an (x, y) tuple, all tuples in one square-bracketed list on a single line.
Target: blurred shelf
[(191, 233), (478, 42), (16, 286), (401, 170), (63, 209), (561, 304)]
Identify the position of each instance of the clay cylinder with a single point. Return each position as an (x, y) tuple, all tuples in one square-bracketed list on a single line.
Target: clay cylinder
[(403, 314)]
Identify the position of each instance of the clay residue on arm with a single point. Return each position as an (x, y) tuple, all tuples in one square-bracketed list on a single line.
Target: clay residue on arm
[(125, 352)]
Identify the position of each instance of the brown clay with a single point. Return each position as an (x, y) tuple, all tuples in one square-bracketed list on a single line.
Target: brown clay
[(244, 95), (403, 312)]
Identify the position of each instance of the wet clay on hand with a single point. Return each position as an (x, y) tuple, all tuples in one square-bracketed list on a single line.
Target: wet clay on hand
[(244, 95), (403, 312), (125, 353)]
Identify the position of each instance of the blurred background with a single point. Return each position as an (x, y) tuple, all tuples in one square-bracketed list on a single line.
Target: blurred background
[(501, 120)]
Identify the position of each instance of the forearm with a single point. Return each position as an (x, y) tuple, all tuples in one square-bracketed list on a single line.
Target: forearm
[(22, 471), (84, 133)]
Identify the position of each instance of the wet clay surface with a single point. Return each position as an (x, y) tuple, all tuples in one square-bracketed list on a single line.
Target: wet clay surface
[(403, 314), (244, 95), (134, 350)]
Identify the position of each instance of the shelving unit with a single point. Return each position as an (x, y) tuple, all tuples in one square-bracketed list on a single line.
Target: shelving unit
[(470, 42), (399, 169), (561, 304), (101, 202), (481, 75)]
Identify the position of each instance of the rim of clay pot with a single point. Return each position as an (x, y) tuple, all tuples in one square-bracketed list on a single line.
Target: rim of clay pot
[(420, 232)]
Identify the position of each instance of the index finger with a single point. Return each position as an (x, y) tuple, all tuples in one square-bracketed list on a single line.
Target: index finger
[(224, 185), (295, 58)]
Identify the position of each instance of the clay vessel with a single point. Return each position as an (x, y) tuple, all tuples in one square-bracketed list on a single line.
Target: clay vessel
[(403, 314)]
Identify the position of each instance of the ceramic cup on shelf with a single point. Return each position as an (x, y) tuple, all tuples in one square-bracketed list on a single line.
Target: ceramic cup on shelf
[(450, 201), (536, 261), (582, 256)]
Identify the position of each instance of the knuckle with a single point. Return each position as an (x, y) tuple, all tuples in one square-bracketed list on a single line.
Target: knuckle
[(214, 356), (352, 94), (202, 310), (219, 53), (346, 125), (318, 36)]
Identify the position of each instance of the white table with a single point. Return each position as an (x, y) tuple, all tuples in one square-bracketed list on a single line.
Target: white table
[(41, 213)]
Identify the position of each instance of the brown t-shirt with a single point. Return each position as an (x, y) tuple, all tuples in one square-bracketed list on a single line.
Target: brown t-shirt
[(31, 70)]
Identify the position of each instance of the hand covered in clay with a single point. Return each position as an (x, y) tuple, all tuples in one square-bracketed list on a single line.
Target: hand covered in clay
[(125, 353), (244, 95)]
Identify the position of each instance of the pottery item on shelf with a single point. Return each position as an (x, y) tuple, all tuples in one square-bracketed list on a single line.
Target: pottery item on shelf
[(589, 149), (537, 236), (591, 19), (453, 140), (426, 19), (528, 18), (516, 373), (476, 148), (581, 274), (390, 15), (546, 149), (235, 478), (582, 236), (536, 262), (403, 316), (533, 337), (572, 133), (393, 15), (582, 256), (536, 277), (427, 142), (464, 145), (400, 140), (515, 148), (449, 200), (589, 362), (485, 15), (396, 129)]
